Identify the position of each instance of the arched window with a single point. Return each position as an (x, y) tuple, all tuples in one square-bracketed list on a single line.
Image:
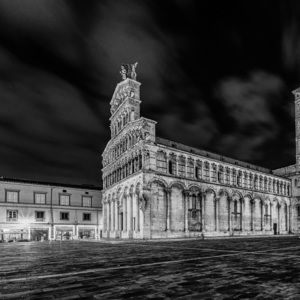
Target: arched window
[(171, 168), (269, 185)]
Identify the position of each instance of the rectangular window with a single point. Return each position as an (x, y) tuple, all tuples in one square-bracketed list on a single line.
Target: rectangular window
[(86, 217), (190, 171), (64, 199), (12, 215), (87, 201), (40, 216), (40, 198), (12, 196), (181, 168), (64, 216)]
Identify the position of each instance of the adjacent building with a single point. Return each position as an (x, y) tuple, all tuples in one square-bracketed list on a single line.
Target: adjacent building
[(157, 188), (38, 211)]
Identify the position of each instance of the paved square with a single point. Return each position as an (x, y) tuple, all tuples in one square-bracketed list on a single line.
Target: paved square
[(236, 268)]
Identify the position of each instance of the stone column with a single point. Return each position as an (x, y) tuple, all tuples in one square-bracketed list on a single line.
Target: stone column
[(229, 213), (271, 216), (117, 215), (203, 211), (104, 216), (125, 213), (109, 215), (287, 218), (186, 207), (137, 211), (113, 214), (216, 200), (242, 201), (168, 205), (262, 217), (131, 211), (279, 221), (290, 218)]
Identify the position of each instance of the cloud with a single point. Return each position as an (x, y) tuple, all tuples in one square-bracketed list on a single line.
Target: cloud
[(250, 104)]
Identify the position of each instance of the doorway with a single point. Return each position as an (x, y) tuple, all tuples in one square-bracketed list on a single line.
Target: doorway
[(275, 228)]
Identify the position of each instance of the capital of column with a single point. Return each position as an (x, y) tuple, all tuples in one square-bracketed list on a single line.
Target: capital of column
[(216, 199), (186, 193), (168, 190)]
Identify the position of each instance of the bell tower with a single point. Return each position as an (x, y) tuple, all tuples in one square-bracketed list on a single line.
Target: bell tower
[(297, 127), (125, 103)]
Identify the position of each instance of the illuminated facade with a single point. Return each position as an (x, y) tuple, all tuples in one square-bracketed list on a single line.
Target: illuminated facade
[(48, 211), (156, 188)]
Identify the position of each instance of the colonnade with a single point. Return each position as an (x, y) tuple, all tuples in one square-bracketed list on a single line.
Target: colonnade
[(211, 215), (123, 215)]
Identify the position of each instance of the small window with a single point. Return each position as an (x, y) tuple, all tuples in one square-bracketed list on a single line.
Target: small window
[(87, 201), (64, 199), (64, 216), (86, 193), (64, 191), (39, 198), (12, 196), (298, 210), (40, 215), (86, 217), (12, 215)]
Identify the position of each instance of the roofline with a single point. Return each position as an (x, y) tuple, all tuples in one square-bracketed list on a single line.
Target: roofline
[(239, 162), (47, 183)]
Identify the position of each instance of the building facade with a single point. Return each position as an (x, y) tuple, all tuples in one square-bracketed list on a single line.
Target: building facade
[(48, 211), (156, 188), (293, 172)]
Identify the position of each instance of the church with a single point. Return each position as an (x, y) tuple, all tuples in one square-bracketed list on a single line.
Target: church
[(157, 188)]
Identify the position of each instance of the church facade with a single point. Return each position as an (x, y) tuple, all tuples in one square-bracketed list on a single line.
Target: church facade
[(157, 188)]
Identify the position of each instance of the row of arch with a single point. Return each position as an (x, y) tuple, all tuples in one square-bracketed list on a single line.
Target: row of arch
[(208, 210), (131, 138), (196, 169), (121, 95), (176, 207), (121, 211), (125, 169), (126, 116)]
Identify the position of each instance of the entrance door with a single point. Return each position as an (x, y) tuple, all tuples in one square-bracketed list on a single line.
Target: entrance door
[(275, 228)]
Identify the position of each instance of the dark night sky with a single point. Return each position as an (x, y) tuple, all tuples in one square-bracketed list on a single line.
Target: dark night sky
[(216, 75)]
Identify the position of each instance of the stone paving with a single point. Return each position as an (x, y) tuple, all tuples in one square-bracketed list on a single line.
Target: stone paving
[(256, 268)]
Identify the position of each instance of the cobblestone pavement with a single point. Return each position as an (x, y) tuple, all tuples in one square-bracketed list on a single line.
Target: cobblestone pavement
[(256, 268)]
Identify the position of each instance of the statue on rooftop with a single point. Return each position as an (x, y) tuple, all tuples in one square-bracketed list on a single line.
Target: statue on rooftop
[(128, 71)]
